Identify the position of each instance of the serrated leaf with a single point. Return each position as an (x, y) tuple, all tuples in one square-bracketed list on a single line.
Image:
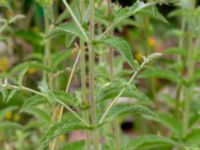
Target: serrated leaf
[(111, 90), (150, 142), (67, 98), (122, 46), (120, 109), (161, 73), (170, 122), (21, 76), (33, 101), (42, 115), (70, 28), (11, 94), (57, 129), (77, 145), (129, 11)]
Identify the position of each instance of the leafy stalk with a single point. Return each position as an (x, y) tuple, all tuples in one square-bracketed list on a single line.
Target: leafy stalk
[(91, 75), (83, 78), (76, 20), (146, 60), (110, 62)]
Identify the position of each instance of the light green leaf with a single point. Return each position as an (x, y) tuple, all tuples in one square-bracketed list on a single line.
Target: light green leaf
[(111, 90), (21, 76), (33, 101), (150, 142), (7, 109), (57, 129), (77, 145), (123, 47), (120, 109), (193, 137), (161, 73), (10, 125), (40, 114), (70, 28), (176, 50), (170, 122)]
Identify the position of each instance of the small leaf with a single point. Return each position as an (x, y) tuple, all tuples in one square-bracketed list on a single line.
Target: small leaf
[(122, 46), (4, 93), (70, 28), (150, 142), (11, 94), (120, 109), (176, 50), (33, 101), (193, 137), (57, 129), (21, 76), (5, 110), (38, 113)]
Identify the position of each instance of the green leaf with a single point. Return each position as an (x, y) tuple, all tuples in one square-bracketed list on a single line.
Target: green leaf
[(111, 90), (21, 76), (120, 109), (10, 125), (29, 64), (33, 101), (129, 11), (11, 94), (65, 97), (170, 122), (70, 28), (77, 145), (4, 93), (162, 73), (150, 142), (57, 58), (7, 109), (193, 137), (122, 46), (42, 115), (57, 129), (176, 50)]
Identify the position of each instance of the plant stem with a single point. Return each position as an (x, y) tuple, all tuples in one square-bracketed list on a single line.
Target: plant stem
[(110, 62), (66, 90), (83, 78), (146, 60), (76, 21), (91, 75)]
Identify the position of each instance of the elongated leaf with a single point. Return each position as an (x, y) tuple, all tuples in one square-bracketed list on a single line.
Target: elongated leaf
[(122, 46), (150, 142), (67, 98), (57, 129), (42, 115), (29, 64), (120, 109), (193, 137), (111, 90), (10, 125), (70, 28), (57, 58), (162, 73), (170, 122), (77, 145), (7, 109), (176, 50), (4, 93), (33, 101), (21, 76), (10, 95)]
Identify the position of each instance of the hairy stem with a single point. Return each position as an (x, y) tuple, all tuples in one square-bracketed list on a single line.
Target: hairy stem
[(91, 75), (83, 78)]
